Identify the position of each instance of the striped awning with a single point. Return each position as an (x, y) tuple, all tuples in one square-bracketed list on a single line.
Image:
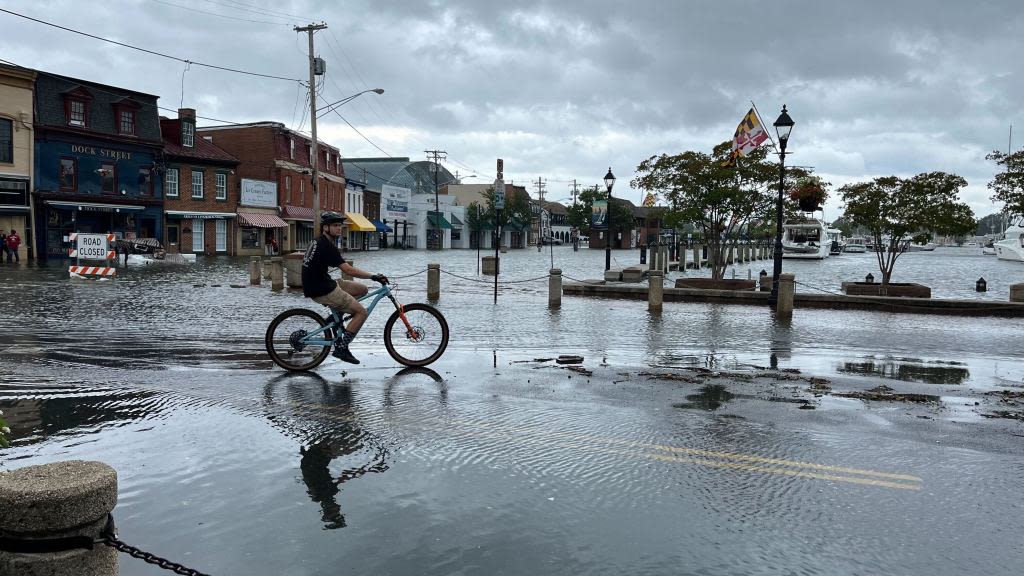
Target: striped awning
[(298, 213), (261, 220), (359, 223)]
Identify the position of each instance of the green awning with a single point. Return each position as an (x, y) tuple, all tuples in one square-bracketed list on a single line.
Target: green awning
[(516, 226), (438, 221)]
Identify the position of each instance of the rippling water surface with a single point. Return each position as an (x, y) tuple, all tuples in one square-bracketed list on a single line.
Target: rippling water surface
[(492, 463)]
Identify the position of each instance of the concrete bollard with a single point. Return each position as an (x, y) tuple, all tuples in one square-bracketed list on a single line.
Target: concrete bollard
[(655, 290), (433, 281), (664, 259), (784, 306), (489, 265), (293, 269), (555, 288), (1016, 292), (276, 273), (682, 260), (255, 274), (58, 500), (696, 257), (348, 276)]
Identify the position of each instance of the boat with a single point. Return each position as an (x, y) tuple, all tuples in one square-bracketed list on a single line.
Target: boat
[(1011, 247), (989, 248), (915, 247), (836, 242), (805, 238), (856, 245)]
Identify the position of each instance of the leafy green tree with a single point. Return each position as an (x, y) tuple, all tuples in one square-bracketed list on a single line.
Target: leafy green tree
[(721, 199), (894, 210), (517, 209), (579, 213), (1008, 185)]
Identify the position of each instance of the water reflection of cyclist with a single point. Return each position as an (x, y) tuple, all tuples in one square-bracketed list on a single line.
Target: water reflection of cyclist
[(339, 295)]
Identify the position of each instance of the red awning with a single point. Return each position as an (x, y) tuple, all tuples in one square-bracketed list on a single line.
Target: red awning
[(298, 213), (261, 220)]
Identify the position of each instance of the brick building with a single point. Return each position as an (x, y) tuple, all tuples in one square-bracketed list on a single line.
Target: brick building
[(279, 162), (201, 191)]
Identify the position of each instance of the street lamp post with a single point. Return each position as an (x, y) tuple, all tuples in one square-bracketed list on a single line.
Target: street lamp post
[(330, 107), (609, 181), (783, 126)]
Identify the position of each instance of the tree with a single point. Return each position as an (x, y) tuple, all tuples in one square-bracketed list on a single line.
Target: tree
[(579, 213), (721, 199), (1008, 185), (893, 210), (517, 208)]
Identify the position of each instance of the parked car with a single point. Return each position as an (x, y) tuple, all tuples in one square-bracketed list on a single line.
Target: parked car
[(550, 240)]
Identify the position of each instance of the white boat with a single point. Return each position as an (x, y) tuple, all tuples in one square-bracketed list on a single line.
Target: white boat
[(989, 248), (914, 247), (1011, 247), (856, 245), (806, 238), (836, 242)]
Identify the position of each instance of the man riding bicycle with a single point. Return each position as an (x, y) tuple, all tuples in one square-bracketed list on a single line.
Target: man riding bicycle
[(339, 295)]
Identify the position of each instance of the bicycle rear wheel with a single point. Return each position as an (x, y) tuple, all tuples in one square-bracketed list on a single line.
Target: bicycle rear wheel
[(284, 343), (424, 343)]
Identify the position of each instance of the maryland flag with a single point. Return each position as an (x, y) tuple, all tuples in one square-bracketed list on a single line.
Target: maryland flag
[(650, 199), (749, 135)]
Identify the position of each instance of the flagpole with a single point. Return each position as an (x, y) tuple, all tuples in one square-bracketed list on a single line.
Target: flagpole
[(761, 120)]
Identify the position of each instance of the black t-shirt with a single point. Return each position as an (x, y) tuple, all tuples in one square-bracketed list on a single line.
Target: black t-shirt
[(320, 257)]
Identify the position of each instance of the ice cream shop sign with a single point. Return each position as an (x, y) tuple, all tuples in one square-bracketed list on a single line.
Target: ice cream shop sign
[(101, 152)]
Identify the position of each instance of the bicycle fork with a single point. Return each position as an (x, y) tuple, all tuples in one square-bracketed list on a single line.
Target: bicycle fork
[(410, 332)]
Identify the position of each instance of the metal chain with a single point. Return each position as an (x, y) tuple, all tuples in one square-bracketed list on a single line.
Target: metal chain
[(408, 275), (491, 281), (109, 537)]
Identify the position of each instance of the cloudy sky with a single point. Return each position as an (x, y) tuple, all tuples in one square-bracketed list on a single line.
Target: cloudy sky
[(562, 90)]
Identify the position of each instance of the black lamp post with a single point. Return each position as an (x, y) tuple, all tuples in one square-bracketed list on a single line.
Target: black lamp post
[(609, 181), (783, 126)]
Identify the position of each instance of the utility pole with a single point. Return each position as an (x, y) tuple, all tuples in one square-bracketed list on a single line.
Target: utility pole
[(435, 156), (314, 152), (540, 214)]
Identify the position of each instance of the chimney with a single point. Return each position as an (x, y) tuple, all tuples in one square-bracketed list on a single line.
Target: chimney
[(187, 114)]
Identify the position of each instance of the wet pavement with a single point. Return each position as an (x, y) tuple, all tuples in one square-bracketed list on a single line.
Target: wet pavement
[(709, 439)]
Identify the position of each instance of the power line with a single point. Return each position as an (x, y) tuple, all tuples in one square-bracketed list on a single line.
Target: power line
[(220, 15), (186, 61)]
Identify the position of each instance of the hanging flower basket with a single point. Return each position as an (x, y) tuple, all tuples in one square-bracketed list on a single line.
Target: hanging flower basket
[(809, 193)]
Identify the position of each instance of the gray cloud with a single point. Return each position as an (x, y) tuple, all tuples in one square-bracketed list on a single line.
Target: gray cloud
[(564, 89)]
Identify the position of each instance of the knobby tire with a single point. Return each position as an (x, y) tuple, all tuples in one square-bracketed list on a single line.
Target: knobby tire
[(422, 316), (315, 322)]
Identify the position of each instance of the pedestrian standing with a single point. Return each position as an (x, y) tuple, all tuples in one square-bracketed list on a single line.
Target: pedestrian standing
[(13, 243), (3, 246)]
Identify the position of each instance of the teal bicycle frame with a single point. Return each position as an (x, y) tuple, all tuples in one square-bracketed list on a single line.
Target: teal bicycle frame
[(334, 321)]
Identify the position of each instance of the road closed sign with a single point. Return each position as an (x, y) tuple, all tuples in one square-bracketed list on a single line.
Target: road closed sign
[(92, 246)]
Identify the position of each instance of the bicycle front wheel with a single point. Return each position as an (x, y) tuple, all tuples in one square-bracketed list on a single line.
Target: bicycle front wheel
[(285, 340), (422, 340)]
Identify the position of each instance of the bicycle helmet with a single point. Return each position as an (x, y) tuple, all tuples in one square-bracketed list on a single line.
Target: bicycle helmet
[(327, 218)]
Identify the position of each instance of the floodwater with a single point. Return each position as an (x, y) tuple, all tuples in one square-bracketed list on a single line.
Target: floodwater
[(494, 461)]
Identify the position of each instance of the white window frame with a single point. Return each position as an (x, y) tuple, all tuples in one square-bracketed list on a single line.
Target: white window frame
[(291, 148), (171, 182), (222, 186), (197, 186), (221, 235), (198, 235), (188, 134)]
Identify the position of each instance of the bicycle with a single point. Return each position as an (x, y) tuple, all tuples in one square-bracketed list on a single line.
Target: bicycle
[(300, 339)]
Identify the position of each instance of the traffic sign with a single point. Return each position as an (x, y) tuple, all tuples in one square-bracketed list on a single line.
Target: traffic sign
[(92, 246), (499, 194)]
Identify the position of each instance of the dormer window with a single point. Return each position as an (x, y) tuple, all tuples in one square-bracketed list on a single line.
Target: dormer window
[(188, 134), (126, 122), (76, 106), (77, 113)]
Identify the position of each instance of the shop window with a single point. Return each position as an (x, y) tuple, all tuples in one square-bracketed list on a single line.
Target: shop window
[(108, 178), (171, 183), (145, 182), (250, 237), (68, 174)]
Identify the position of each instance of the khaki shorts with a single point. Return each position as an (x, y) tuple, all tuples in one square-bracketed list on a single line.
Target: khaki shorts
[(341, 297)]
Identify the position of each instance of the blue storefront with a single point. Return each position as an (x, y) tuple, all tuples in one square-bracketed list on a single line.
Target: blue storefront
[(97, 153)]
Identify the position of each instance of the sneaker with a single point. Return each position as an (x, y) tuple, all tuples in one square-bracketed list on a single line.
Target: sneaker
[(342, 353)]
